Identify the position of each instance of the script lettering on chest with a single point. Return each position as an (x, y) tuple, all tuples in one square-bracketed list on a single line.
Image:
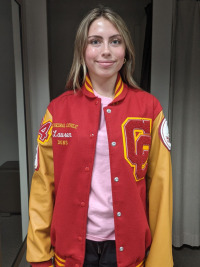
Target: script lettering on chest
[(56, 133), (63, 132), (136, 134)]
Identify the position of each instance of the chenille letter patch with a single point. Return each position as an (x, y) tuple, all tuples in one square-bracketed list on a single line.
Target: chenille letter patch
[(136, 134)]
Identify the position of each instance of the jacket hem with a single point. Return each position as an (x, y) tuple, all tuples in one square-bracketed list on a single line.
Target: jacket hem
[(42, 264)]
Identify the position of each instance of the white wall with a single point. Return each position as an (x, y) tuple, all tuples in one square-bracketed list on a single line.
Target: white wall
[(8, 118), (36, 69), (21, 124), (36, 86)]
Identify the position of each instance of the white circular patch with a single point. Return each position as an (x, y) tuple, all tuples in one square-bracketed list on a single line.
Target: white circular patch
[(164, 134)]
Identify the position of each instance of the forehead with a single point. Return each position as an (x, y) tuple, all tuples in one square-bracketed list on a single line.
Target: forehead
[(102, 25)]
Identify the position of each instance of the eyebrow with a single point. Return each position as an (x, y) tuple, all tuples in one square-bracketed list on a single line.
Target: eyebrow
[(99, 36)]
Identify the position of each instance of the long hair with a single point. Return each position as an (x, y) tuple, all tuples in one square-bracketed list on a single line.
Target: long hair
[(79, 69)]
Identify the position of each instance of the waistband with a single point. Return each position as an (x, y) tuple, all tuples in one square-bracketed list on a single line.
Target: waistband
[(61, 262)]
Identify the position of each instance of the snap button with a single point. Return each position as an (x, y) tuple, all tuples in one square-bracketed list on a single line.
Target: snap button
[(82, 204), (91, 135), (119, 214), (108, 110), (121, 249), (97, 102), (80, 238), (113, 143), (116, 179), (87, 169)]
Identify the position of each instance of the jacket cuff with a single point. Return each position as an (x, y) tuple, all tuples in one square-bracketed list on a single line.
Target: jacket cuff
[(42, 264)]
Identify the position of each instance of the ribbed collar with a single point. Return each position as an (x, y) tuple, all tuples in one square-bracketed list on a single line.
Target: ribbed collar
[(120, 88)]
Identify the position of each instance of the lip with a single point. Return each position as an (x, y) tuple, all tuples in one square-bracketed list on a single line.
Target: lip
[(105, 63)]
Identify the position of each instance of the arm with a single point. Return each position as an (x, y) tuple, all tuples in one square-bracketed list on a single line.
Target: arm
[(159, 192), (39, 250)]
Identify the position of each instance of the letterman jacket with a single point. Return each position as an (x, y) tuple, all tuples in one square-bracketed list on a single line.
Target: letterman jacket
[(140, 176)]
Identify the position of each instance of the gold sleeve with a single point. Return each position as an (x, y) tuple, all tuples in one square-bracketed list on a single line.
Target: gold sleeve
[(159, 195), (41, 197)]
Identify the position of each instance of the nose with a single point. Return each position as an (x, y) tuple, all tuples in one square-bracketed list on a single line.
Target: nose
[(106, 50)]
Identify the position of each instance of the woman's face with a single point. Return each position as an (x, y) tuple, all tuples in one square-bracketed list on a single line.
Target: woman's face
[(105, 51)]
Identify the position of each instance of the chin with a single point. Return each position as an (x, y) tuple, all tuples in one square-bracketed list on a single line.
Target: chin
[(107, 73), (107, 76)]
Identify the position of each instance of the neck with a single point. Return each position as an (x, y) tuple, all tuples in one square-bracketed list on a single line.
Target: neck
[(104, 87)]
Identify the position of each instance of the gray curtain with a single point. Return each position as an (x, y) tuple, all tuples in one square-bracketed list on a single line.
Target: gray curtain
[(185, 123), (145, 80)]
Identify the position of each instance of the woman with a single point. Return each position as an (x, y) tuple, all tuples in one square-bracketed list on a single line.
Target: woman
[(101, 192)]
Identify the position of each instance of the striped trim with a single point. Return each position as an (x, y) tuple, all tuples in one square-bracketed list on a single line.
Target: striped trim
[(141, 264), (118, 84), (88, 81), (118, 89), (59, 261), (88, 84)]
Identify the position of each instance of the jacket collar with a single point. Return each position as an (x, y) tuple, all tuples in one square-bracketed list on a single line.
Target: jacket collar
[(120, 89)]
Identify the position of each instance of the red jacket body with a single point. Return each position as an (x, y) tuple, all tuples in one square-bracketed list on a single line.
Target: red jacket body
[(67, 141)]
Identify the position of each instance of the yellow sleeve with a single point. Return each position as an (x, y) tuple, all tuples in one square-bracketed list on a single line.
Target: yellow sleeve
[(41, 197), (159, 193)]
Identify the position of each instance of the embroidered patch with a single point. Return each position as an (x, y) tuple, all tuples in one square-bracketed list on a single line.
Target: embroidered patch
[(136, 134), (61, 134), (164, 134), (44, 132)]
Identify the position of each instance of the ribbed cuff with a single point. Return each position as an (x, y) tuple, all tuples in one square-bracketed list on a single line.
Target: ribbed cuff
[(42, 264)]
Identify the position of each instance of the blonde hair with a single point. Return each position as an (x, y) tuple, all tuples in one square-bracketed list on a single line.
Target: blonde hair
[(79, 69)]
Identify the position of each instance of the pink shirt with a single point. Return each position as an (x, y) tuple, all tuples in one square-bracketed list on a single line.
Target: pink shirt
[(100, 224)]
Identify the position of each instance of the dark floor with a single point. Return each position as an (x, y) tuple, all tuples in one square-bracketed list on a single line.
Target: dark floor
[(11, 241), (186, 256), (11, 238)]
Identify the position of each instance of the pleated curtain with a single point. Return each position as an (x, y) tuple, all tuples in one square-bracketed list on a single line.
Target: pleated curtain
[(185, 122)]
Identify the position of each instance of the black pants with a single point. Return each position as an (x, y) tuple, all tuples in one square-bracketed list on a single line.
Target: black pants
[(100, 254)]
